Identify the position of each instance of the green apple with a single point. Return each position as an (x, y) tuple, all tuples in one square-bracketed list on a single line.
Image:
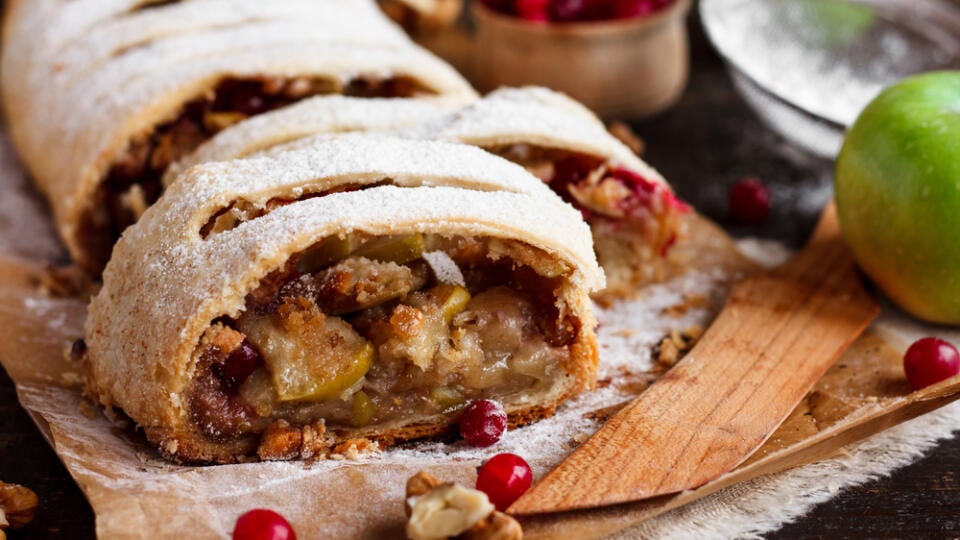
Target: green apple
[(898, 194)]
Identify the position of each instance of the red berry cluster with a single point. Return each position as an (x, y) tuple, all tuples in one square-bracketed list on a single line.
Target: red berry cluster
[(576, 10)]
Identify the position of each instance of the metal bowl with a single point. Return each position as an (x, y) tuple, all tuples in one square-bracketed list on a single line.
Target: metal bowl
[(808, 67)]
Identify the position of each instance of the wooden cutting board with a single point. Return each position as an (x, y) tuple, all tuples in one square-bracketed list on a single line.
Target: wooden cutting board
[(778, 333)]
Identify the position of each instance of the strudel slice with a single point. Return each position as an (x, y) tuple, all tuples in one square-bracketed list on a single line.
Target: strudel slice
[(634, 214), (363, 288)]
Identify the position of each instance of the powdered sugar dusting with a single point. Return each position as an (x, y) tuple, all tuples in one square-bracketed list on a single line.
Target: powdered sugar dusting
[(537, 117), (46, 310), (320, 114)]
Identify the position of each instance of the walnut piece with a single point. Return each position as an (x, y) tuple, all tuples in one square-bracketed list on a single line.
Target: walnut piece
[(280, 442), (419, 484), (674, 346), (283, 441), (354, 449), (445, 510), (18, 505), (496, 526)]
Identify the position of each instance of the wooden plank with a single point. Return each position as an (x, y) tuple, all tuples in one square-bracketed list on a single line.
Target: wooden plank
[(865, 421), (777, 335)]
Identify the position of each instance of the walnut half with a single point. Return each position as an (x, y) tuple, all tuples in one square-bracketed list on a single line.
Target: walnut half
[(445, 510), (18, 505)]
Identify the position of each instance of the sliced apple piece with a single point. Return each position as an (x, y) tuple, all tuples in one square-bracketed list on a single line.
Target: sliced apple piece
[(363, 409), (310, 356), (453, 300), (396, 249), (330, 251), (446, 397)]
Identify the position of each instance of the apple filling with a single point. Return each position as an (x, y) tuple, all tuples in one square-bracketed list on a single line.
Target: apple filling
[(604, 192), (134, 180), (363, 333), (634, 221)]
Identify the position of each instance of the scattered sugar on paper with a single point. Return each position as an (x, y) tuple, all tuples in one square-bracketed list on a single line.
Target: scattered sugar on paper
[(51, 312)]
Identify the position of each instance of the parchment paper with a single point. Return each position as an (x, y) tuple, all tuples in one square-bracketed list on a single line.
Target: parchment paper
[(135, 494)]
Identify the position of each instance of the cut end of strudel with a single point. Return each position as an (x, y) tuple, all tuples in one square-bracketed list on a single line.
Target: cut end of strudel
[(633, 213), (157, 79), (362, 288), (631, 209)]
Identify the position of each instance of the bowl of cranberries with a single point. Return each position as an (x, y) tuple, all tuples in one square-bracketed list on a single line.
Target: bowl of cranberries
[(625, 59)]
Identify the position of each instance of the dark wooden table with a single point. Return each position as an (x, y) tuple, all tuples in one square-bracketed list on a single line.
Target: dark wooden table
[(704, 144)]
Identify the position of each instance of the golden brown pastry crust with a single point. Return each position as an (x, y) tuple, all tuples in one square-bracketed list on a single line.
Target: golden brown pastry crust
[(166, 283)]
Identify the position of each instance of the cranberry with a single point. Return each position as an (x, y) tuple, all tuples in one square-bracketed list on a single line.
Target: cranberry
[(241, 363), (241, 96), (483, 423), (504, 478), (263, 524), (624, 9), (750, 201), (929, 361), (532, 10), (570, 170), (570, 10), (632, 180)]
